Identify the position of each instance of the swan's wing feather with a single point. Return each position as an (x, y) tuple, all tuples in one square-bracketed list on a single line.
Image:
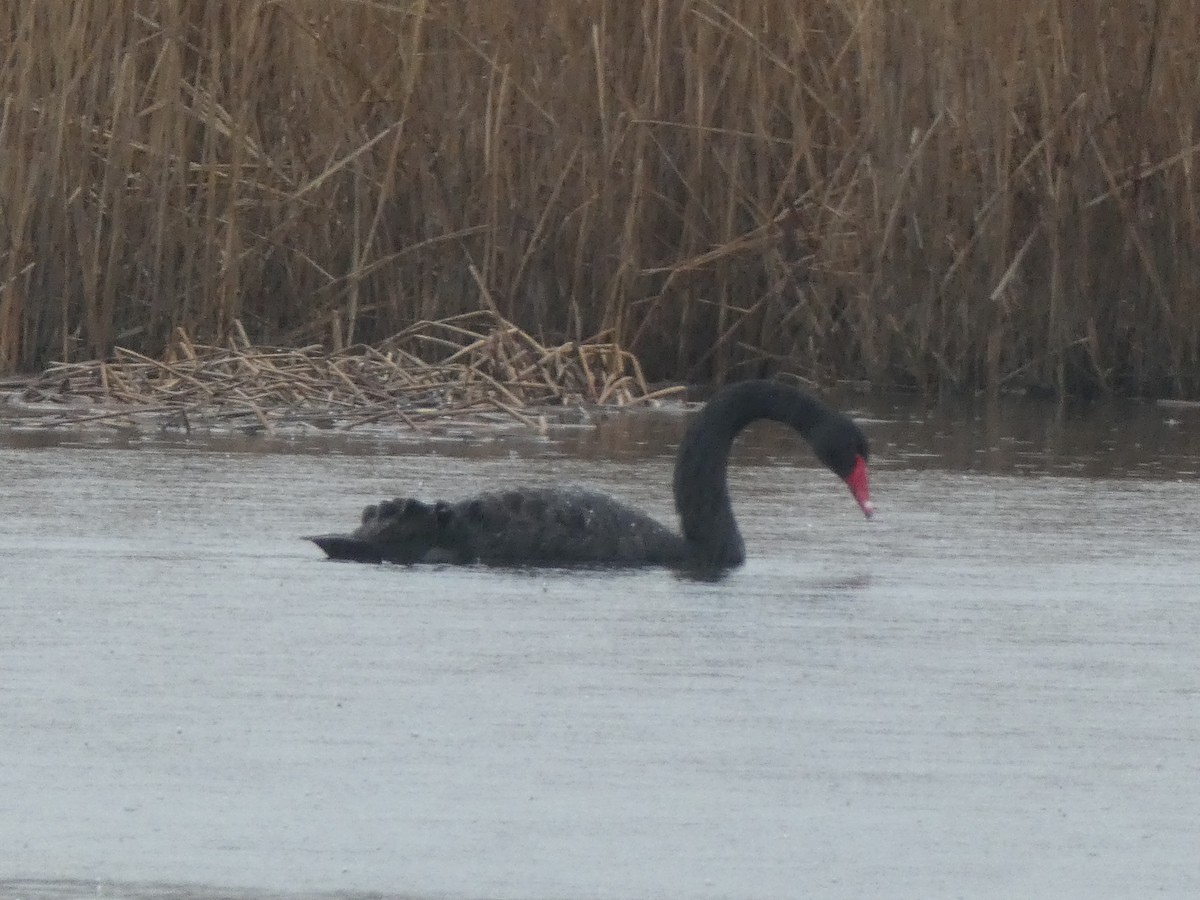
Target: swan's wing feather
[(563, 526)]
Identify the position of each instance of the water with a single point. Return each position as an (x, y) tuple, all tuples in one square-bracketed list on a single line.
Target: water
[(991, 690)]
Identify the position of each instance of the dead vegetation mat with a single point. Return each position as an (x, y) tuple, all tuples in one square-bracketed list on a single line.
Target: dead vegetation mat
[(485, 370)]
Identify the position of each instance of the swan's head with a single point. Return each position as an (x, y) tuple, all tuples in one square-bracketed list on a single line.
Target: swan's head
[(842, 446)]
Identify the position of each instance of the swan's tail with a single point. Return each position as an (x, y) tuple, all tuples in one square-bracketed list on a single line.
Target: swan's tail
[(347, 547)]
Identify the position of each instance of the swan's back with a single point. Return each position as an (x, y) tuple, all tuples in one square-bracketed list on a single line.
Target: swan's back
[(554, 526)]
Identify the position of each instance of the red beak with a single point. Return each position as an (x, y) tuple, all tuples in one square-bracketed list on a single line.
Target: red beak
[(860, 486)]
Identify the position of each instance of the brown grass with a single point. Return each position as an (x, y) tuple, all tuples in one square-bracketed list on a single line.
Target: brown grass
[(931, 194)]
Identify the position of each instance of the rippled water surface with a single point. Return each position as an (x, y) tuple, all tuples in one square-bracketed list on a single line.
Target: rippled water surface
[(992, 690)]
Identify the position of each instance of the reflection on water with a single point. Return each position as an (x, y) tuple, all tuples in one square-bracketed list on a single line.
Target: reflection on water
[(990, 690), (1124, 439), (1003, 436)]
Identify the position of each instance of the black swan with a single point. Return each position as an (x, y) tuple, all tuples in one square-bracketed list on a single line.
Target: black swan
[(552, 526)]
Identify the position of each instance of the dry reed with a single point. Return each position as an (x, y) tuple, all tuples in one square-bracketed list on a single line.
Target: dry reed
[(488, 371), (930, 194)]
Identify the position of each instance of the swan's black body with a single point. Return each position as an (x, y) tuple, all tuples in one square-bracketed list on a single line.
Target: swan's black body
[(573, 526)]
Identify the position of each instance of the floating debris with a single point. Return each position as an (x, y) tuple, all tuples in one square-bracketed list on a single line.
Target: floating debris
[(487, 371)]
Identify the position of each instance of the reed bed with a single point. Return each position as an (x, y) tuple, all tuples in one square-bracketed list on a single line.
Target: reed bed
[(932, 194), (488, 371)]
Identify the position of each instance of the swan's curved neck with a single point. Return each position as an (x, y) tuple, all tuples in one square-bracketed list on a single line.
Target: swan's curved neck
[(701, 487)]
